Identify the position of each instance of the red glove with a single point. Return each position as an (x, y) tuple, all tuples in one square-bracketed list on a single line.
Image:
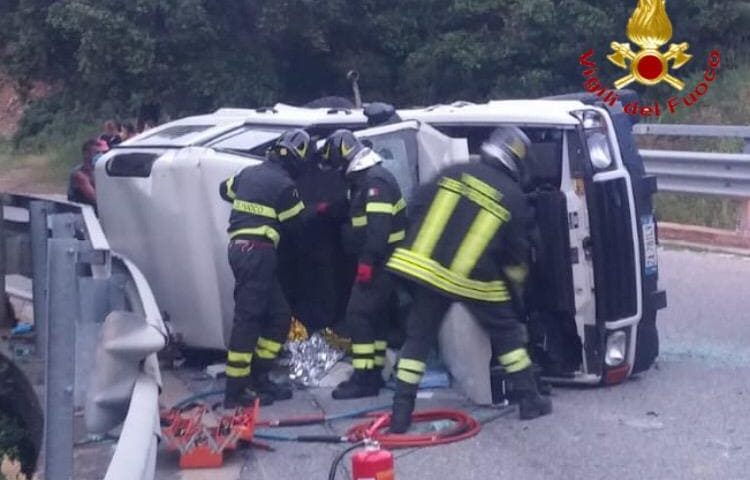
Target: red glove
[(364, 273), (322, 208)]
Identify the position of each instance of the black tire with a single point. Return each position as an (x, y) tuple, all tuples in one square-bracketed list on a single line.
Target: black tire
[(647, 345)]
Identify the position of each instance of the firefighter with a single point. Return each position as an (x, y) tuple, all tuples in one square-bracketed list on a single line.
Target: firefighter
[(265, 205), (469, 243), (377, 224)]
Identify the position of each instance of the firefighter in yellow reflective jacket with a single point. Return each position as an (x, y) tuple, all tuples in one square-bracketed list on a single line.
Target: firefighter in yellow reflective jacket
[(265, 205), (377, 225), (469, 243)]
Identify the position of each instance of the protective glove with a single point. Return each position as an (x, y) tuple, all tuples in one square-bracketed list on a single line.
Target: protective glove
[(322, 208), (364, 273)]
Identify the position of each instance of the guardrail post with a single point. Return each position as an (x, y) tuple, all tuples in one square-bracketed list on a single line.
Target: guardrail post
[(39, 237), (743, 222), (60, 352)]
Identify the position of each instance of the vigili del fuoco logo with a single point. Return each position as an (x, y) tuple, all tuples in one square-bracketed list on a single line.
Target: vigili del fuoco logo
[(650, 29)]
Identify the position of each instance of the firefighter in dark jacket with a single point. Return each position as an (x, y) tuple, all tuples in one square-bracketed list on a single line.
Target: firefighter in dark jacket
[(265, 205), (469, 244), (377, 225)]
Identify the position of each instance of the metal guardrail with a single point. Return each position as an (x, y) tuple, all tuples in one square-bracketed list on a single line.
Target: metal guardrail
[(81, 294), (721, 174), (726, 131), (702, 173), (135, 456)]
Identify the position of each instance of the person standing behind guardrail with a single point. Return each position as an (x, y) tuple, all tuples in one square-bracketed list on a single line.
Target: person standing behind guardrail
[(81, 187), (127, 131), (265, 204), (111, 133)]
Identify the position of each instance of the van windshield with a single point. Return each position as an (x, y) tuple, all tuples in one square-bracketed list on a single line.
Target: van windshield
[(247, 139)]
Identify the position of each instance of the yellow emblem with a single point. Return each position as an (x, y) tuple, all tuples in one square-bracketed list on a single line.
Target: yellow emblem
[(650, 28), (345, 150)]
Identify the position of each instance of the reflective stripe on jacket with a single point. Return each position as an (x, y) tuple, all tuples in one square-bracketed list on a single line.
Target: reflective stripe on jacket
[(377, 214), (265, 202), (471, 224)]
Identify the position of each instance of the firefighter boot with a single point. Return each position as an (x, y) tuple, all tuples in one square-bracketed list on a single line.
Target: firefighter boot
[(403, 407), (263, 383), (239, 393), (525, 391), (361, 384)]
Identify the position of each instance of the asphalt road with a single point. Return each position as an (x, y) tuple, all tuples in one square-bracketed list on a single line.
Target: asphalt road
[(687, 418)]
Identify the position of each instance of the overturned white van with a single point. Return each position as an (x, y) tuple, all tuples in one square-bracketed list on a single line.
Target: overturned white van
[(593, 315)]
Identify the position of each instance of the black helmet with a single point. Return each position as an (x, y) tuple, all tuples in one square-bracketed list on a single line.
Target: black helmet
[(339, 149), (508, 147), (291, 150), (380, 114)]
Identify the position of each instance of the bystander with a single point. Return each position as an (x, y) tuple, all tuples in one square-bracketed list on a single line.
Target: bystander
[(81, 186), (111, 133)]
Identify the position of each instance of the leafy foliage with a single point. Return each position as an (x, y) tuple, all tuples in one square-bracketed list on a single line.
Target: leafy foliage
[(194, 55)]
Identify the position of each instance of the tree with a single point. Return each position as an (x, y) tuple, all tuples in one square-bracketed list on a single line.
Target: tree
[(195, 55)]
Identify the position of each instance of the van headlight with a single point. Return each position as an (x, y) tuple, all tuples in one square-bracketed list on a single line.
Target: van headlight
[(595, 130), (617, 347), (601, 156)]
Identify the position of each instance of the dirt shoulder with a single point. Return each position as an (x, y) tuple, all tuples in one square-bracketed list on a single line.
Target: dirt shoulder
[(32, 175)]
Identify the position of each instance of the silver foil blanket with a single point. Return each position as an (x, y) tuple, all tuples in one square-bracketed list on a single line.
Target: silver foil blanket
[(311, 359)]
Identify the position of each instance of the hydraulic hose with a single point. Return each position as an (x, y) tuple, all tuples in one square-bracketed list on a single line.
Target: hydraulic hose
[(198, 396), (263, 435), (463, 427), (319, 418)]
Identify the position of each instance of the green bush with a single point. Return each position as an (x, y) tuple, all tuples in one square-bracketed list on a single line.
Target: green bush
[(6, 152), (54, 128), (697, 210)]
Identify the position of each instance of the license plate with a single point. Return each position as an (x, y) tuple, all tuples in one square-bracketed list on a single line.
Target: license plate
[(651, 259)]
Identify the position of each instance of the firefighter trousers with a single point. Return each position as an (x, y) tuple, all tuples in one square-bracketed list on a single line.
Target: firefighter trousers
[(262, 315), (507, 335), (367, 314)]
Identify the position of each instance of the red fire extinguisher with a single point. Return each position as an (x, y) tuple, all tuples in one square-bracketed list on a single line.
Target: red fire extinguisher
[(372, 463)]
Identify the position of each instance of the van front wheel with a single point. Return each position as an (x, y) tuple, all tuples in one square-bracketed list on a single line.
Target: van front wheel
[(647, 346)]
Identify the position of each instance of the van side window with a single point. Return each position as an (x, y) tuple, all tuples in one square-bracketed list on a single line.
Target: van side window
[(246, 139)]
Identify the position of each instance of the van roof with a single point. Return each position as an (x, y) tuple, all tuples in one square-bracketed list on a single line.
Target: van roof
[(522, 112), (198, 129)]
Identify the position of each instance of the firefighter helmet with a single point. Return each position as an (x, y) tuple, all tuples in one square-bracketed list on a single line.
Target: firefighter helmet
[(339, 149), (509, 147), (291, 150)]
